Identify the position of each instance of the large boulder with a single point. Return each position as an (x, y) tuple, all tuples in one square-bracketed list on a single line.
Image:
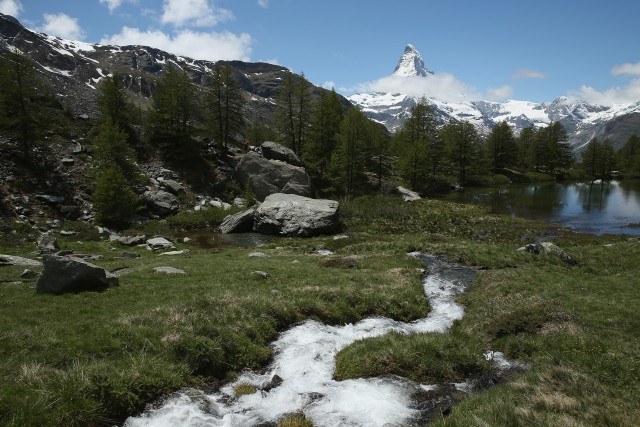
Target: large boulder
[(266, 177), (292, 215), (550, 249), (240, 222), (64, 274), (161, 202), (274, 151)]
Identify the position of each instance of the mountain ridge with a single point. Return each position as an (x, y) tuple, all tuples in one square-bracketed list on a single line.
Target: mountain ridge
[(582, 120)]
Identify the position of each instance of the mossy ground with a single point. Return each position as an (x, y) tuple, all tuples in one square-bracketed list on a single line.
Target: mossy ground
[(94, 358)]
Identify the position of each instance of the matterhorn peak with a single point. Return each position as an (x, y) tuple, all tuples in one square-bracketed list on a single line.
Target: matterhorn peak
[(411, 64)]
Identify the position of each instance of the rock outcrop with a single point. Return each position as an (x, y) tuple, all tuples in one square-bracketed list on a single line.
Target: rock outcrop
[(64, 274), (265, 176), (18, 260), (293, 215), (407, 195)]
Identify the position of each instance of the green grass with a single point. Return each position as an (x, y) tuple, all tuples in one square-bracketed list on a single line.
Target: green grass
[(94, 358)]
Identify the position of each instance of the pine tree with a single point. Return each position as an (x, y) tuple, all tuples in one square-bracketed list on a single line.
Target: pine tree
[(19, 111), (323, 132), (225, 106), (628, 157), (559, 151), (501, 144), (377, 150), (348, 161), (293, 111), (416, 144), (172, 115), (525, 147), (607, 160), (463, 145), (591, 159)]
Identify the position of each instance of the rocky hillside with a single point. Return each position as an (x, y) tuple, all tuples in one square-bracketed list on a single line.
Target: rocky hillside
[(582, 120), (73, 69)]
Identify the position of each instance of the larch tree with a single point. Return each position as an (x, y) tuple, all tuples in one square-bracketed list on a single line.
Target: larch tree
[(225, 106)]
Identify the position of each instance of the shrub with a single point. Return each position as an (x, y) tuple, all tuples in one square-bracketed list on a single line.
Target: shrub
[(114, 200)]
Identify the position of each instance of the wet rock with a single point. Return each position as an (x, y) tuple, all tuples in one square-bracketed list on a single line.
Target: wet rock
[(274, 151), (19, 261), (549, 248), (159, 243), (407, 195), (47, 243), (292, 215), (265, 177), (70, 274), (276, 381), (240, 222), (168, 270)]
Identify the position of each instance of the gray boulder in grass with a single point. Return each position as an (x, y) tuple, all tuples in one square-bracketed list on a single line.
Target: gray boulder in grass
[(274, 151), (63, 274), (292, 215)]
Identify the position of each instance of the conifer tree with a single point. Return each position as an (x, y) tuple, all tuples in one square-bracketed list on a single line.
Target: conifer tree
[(348, 160), (526, 148), (225, 105), (501, 145), (463, 145), (591, 158), (19, 88), (377, 150), (325, 124), (172, 115), (416, 143), (293, 111), (628, 157)]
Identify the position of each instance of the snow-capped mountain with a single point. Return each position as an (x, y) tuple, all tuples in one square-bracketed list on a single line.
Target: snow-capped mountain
[(582, 120), (411, 64)]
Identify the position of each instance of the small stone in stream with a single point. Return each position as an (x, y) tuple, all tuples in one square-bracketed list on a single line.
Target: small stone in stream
[(276, 380)]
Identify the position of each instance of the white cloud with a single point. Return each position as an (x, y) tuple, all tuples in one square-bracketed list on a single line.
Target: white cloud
[(612, 96), (199, 13), (499, 93), (442, 86), (114, 4), (629, 69), (62, 25), (328, 85), (526, 73), (211, 46), (263, 3), (11, 7)]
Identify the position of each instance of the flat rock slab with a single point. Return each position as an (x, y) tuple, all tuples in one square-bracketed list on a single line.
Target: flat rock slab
[(168, 270), (159, 243), (182, 252), (241, 222), (257, 255), (292, 215), (407, 195), (19, 261), (64, 274)]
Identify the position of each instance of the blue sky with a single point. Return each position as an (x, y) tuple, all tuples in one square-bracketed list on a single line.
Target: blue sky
[(489, 49)]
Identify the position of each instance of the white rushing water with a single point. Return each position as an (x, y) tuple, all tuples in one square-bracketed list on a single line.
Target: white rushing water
[(304, 358)]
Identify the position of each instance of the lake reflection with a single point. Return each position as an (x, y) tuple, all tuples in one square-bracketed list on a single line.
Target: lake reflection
[(600, 207)]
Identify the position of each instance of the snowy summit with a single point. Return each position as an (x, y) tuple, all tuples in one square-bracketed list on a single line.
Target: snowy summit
[(411, 64)]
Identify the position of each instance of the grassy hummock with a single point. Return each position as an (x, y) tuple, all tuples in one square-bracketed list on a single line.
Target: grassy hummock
[(96, 358)]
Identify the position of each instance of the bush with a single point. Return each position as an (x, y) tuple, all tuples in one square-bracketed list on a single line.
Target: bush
[(198, 220)]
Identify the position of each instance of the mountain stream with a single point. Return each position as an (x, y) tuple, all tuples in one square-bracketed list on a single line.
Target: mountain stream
[(304, 362)]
